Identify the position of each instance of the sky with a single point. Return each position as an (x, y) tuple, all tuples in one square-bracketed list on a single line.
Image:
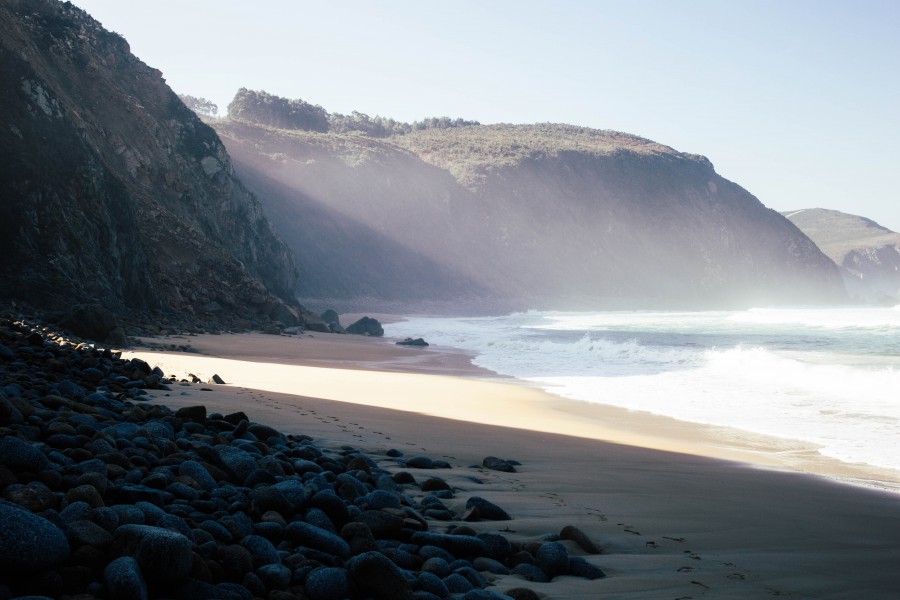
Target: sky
[(798, 101)]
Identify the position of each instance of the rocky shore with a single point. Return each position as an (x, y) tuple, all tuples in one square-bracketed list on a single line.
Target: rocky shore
[(106, 495)]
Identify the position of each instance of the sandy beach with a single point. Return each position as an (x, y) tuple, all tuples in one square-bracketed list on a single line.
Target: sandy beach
[(680, 511)]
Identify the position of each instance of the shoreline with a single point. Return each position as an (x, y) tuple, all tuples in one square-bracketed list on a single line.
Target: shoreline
[(671, 524), (546, 412)]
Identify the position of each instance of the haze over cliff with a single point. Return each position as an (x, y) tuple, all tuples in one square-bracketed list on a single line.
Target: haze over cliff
[(516, 216), (115, 192), (867, 254)]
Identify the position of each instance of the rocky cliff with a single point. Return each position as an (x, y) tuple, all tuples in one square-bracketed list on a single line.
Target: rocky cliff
[(112, 190), (537, 216), (867, 254)]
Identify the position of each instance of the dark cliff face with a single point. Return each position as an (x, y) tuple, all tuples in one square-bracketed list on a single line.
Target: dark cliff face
[(867, 254), (113, 191), (542, 216)]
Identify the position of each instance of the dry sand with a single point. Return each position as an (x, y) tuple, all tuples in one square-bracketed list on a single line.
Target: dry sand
[(675, 520)]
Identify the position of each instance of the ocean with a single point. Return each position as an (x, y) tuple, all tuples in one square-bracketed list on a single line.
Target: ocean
[(827, 376)]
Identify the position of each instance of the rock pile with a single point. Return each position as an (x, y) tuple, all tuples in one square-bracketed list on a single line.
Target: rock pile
[(107, 496)]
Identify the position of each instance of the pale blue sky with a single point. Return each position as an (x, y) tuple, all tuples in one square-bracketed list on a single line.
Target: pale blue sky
[(796, 100)]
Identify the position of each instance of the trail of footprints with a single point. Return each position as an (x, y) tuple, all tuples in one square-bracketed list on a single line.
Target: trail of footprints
[(518, 486)]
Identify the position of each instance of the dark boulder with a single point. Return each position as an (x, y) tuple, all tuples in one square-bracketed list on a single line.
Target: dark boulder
[(92, 321), (498, 464), (366, 326), (553, 559), (578, 567), (419, 342), (479, 508), (327, 583), (572, 533), (379, 577), (333, 320), (29, 543), (124, 580), (163, 554)]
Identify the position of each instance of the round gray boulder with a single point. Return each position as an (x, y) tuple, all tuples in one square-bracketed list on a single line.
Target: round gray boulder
[(163, 555), (29, 543), (124, 580)]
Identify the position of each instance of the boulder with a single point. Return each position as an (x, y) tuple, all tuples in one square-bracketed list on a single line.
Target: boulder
[(572, 533), (92, 321), (419, 342), (29, 543), (498, 464), (284, 314), (162, 554), (366, 326), (379, 577), (124, 580), (333, 320)]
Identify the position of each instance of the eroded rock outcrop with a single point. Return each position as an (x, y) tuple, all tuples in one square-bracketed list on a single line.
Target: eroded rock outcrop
[(113, 191)]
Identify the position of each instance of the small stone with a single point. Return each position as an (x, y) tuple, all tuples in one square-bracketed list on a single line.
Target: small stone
[(483, 563), (487, 510), (192, 413), (161, 553), (437, 565), (497, 546), (572, 533), (88, 532), (359, 537), (274, 577), (435, 484), (85, 493), (530, 572), (327, 583), (498, 464), (383, 525), (124, 580), (429, 582), (379, 577), (262, 550), (419, 462), (578, 567), (457, 584), (239, 463), (552, 558), (317, 538), (199, 473), (522, 594), (34, 496), (22, 456), (457, 545), (236, 560)]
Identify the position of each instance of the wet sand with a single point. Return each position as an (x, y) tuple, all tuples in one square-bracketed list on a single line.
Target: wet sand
[(675, 519)]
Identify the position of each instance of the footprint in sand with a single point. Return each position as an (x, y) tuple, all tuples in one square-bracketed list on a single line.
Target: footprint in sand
[(703, 585), (597, 513), (628, 528)]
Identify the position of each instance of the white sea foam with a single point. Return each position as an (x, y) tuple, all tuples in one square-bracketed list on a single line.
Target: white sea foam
[(827, 376)]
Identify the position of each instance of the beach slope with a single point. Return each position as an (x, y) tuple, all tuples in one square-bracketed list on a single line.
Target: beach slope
[(671, 520)]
